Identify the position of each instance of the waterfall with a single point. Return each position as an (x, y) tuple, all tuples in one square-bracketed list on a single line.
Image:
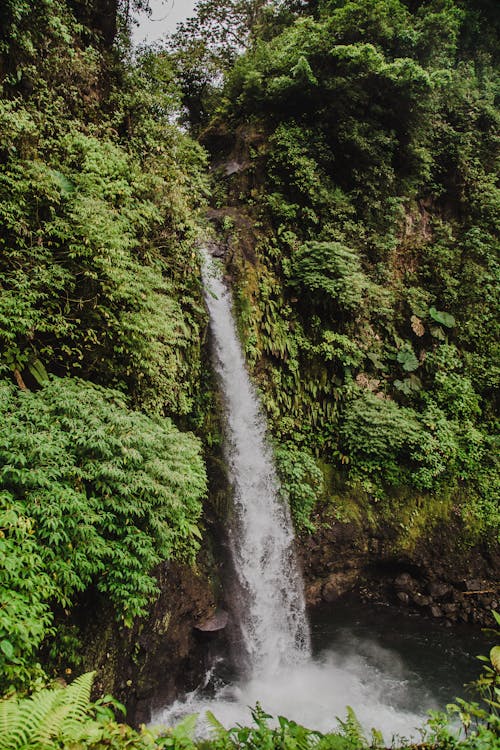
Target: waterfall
[(271, 613), (281, 673)]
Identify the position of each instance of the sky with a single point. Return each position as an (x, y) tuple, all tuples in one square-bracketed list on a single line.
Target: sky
[(165, 15)]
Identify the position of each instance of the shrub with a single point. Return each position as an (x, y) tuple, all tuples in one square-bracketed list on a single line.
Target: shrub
[(102, 495), (330, 270)]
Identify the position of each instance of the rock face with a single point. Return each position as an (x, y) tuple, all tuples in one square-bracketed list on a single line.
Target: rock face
[(163, 655), (337, 584), (433, 578)]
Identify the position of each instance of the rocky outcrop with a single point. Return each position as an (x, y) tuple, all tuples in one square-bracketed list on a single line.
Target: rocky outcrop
[(432, 578), (453, 601), (163, 655)]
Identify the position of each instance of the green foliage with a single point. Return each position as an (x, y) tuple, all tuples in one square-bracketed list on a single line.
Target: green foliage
[(285, 735), (102, 495), (330, 269), (488, 683), (100, 324), (47, 718), (63, 718), (442, 317), (80, 276), (407, 358), (374, 178), (378, 436), (26, 590), (301, 481)]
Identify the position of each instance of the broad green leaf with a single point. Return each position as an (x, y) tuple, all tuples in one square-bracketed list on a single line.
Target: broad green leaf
[(408, 359), (495, 658), (442, 317), (438, 333), (65, 186), (39, 372), (7, 648)]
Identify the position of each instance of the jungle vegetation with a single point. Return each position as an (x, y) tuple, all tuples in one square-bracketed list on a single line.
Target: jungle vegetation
[(368, 139), (100, 327), (365, 138)]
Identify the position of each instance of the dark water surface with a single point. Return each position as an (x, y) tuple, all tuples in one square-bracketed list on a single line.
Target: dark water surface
[(436, 661)]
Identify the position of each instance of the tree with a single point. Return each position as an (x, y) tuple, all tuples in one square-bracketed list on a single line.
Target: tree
[(205, 46)]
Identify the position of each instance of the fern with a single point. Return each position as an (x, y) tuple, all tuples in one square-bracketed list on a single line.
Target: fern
[(48, 716), (332, 270), (218, 730), (8, 718)]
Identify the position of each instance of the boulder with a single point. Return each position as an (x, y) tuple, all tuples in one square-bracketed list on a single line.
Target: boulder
[(213, 624), (420, 600), (405, 582), (438, 590), (313, 593), (338, 584), (473, 584)]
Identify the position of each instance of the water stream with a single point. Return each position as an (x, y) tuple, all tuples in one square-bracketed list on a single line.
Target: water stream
[(272, 619), (279, 669)]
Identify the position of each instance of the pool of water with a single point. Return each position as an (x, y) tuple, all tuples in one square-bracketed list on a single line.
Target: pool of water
[(390, 667), (438, 661)]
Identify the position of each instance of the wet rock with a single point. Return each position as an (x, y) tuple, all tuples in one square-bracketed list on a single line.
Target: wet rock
[(403, 597), (216, 249), (420, 600), (449, 608), (374, 546), (313, 593), (436, 611), (338, 584), (436, 568), (213, 624), (405, 582), (160, 656), (473, 585), (233, 167), (438, 590)]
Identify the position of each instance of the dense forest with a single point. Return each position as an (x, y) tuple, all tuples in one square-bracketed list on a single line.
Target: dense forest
[(368, 139), (344, 156)]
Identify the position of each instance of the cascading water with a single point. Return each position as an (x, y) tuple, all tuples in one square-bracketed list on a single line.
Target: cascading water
[(272, 616), (280, 672)]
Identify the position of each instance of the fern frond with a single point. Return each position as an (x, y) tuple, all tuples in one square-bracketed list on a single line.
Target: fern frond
[(9, 714), (51, 714), (53, 724), (77, 695), (219, 730), (30, 716), (186, 728)]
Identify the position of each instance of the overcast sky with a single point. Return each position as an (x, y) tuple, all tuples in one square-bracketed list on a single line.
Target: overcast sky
[(164, 18)]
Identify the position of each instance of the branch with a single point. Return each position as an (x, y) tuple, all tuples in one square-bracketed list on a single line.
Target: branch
[(19, 380)]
